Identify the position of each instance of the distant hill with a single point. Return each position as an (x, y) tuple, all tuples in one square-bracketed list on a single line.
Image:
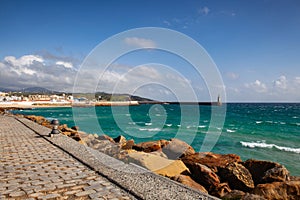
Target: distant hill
[(5, 89), (119, 97), (103, 95), (30, 90), (39, 90)]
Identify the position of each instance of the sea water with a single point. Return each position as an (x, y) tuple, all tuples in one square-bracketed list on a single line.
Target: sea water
[(266, 131)]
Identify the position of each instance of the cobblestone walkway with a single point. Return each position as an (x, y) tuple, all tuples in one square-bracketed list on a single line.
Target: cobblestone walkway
[(32, 168)]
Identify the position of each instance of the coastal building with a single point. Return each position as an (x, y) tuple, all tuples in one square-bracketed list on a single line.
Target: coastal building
[(39, 97), (3, 94)]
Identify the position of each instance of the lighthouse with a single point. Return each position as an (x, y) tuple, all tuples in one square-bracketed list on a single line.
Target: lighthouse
[(219, 102)]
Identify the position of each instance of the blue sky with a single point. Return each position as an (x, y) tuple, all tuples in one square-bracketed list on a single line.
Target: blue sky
[(255, 44)]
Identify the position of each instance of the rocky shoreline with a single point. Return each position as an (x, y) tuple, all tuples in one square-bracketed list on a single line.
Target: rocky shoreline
[(224, 176)]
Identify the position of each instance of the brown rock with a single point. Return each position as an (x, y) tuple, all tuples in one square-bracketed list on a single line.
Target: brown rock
[(128, 145), (163, 143), (295, 178), (237, 176), (266, 172), (234, 194), (187, 180), (147, 146), (158, 164), (75, 128), (237, 194), (120, 139), (176, 148), (159, 153), (37, 119), (65, 128), (67, 133), (106, 137), (76, 137), (279, 190), (46, 124), (203, 175), (212, 160), (221, 190), (175, 168), (249, 196)]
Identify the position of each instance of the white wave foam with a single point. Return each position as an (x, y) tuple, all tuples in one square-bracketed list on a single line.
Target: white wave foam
[(179, 125), (263, 144), (202, 126), (149, 129), (295, 117), (168, 125), (258, 122), (148, 124), (230, 131)]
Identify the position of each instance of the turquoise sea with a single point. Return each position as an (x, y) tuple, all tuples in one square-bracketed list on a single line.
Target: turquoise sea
[(267, 131)]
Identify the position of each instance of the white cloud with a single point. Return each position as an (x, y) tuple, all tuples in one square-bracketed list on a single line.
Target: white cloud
[(257, 86), (65, 64), (29, 71), (281, 83), (166, 22), (140, 42), (297, 81), (204, 11), (232, 75), (24, 60), (34, 70)]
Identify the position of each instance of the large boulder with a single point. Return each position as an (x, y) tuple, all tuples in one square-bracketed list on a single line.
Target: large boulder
[(187, 180), (106, 147), (237, 176), (266, 171), (176, 148), (203, 175), (279, 190), (128, 145), (158, 164), (175, 168), (220, 190), (106, 137), (212, 160), (147, 146)]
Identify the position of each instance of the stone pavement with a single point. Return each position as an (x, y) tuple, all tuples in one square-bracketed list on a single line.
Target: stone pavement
[(33, 168)]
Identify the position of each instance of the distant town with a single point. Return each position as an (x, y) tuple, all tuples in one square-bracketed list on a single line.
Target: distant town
[(44, 97)]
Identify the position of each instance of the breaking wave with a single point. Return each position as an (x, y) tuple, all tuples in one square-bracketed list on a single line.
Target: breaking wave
[(149, 129), (230, 131), (263, 144)]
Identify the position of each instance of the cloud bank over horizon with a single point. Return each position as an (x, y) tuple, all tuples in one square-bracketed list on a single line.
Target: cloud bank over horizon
[(58, 73)]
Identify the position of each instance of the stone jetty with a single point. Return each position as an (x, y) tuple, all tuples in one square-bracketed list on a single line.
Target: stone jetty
[(35, 166)]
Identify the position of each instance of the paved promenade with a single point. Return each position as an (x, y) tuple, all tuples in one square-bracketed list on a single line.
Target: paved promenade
[(33, 168)]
